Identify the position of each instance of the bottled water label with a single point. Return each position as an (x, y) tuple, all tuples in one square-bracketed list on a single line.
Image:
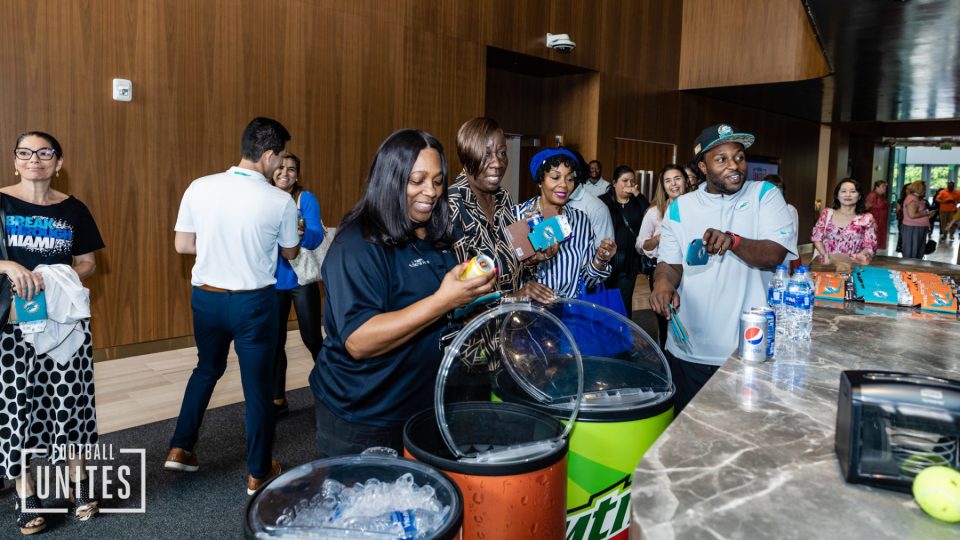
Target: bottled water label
[(407, 522), (774, 297), (799, 301)]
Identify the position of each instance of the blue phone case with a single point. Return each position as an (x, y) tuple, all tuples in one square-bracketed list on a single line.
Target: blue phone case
[(697, 254), (33, 310)]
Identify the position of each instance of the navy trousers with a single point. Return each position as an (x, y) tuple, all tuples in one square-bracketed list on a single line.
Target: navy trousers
[(249, 320)]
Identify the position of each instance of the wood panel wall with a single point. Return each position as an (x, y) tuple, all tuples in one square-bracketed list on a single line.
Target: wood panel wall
[(340, 74), (794, 141), (735, 42)]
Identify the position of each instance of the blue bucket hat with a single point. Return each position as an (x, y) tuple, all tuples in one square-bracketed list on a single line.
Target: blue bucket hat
[(719, 134), (542, 156)]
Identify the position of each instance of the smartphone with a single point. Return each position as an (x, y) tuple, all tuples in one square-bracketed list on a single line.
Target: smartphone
[(697, 253)]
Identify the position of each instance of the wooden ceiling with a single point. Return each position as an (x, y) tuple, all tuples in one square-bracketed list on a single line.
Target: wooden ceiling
[(891, 61)]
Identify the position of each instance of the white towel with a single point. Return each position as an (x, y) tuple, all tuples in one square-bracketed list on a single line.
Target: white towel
[(68, 303)]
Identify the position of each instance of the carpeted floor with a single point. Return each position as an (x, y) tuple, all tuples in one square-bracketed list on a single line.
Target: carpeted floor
[(206, 504)]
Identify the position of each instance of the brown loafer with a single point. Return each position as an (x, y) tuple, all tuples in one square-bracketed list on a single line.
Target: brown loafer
[(179, 459), (253, 484)]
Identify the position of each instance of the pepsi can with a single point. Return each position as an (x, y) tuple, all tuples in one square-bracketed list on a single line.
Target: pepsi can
[(771, 316), (753, 336)]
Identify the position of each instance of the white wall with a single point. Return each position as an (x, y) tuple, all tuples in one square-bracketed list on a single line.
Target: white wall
[(929, 155), (511, 180)]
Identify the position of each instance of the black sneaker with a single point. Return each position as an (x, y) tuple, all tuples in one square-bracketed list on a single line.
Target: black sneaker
[(279, 411)]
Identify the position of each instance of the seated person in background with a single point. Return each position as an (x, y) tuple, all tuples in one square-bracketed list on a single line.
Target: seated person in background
[(846, 229), (391, 278), (577, 263)]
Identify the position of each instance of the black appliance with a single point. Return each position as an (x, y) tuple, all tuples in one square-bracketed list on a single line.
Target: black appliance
[(890, 426)]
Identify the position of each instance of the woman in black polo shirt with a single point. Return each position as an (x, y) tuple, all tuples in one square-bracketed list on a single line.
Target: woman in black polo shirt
[(390, 279)]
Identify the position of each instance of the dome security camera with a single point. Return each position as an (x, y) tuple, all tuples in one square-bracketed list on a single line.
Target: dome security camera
[(560, 43)]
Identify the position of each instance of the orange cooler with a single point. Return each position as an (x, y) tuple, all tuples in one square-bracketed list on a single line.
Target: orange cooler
[(524, 499), (509, 460)]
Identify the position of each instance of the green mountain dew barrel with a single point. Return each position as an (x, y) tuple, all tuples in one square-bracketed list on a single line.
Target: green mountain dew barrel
[(606, 444)]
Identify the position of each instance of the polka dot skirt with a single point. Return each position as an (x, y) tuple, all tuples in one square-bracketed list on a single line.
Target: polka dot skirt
[(43, 405)]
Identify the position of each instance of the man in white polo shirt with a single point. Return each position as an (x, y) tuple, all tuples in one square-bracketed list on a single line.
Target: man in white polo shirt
[(583, 200), (747, 230), (595, 183), (234, 222)]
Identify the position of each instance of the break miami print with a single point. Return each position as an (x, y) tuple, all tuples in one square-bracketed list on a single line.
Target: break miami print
[(40, 234)]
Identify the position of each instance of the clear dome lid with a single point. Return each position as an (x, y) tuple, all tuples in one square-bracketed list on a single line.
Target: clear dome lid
[(540, 354), (623, 367)]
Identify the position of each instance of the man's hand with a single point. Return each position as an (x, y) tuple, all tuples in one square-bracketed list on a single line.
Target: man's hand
[(664, 294), (716, 242)]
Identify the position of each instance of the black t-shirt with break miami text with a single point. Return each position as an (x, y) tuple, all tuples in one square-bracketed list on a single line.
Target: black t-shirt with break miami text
[(48, 234)]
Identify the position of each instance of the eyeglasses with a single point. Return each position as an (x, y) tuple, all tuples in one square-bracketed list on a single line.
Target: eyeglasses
[(45, 154)]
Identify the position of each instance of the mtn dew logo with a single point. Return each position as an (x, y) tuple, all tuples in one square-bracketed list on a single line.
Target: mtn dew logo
[(605, 517)]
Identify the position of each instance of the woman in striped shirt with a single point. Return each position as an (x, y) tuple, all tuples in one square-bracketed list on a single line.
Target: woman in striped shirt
[(577, 264)]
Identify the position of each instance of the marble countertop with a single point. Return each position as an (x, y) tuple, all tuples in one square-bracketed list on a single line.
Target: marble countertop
[(753, 455)]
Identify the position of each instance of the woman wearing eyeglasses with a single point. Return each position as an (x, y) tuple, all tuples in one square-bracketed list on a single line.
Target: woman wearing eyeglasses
[(47, 401)]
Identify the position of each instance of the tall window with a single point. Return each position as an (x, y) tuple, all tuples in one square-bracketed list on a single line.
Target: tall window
[(938, 177), (912, 173)]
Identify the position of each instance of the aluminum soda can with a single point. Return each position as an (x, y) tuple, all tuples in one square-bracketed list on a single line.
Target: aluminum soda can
[(480, 265), (753, 336), (771, 316)]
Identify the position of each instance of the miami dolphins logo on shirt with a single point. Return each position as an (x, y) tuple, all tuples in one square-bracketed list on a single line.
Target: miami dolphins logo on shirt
[(742, 205)]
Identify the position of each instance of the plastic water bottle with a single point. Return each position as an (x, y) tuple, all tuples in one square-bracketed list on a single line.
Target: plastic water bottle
[(776, 294), (811, 291), (406, 525), (798, 304)]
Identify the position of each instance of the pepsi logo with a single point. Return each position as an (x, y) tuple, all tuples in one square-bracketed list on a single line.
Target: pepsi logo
[(753, 335)]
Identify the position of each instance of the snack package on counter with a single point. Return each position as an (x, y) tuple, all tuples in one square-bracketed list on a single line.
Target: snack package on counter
[(831, 288), (877, 286), (939, 303)]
